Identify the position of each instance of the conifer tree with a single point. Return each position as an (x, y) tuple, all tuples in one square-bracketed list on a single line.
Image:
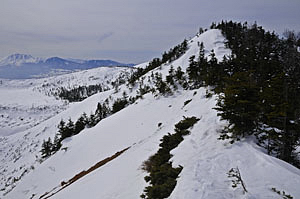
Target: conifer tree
[(179, 74), (214, 70), (192, 71), (239, 105), (66, 130), (92, 120), (80, 124), (61, 129), (56, 143), (161, 86), (46, 148), (170, 77), (119, 104)]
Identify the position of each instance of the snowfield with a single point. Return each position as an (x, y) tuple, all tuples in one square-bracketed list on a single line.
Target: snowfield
[(30, 112), (26, 103), (206, 160)]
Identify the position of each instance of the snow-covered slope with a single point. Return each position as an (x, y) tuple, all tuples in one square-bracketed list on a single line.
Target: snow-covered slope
[(26, 103), (205, 160)]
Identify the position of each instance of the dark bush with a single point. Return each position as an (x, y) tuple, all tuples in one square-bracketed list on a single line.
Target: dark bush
[(119, 104), (162, 176)]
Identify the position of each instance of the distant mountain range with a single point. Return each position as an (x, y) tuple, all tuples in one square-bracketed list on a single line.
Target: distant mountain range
[(22, 66)]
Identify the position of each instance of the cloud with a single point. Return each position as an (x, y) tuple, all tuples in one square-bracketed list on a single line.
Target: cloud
[(104, 36)]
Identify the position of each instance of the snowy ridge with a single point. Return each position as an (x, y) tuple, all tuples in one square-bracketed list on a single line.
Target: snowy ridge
[(212, 40), (205, 160)]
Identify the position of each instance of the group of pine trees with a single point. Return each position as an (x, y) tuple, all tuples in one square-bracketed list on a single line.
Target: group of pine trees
[(258, 86), (68, 129), (80, 93), (159, 85), (171, 55)]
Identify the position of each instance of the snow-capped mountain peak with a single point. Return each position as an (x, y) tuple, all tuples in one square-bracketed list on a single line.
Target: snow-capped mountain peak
[(18, 59)]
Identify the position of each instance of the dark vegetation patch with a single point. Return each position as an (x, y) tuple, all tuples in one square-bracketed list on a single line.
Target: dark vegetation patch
[(186, 102), (162, 176), (258, 86), (80, 93)]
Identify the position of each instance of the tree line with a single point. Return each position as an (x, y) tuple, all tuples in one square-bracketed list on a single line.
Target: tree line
[(80, 93), (171, 55), (70, 128)]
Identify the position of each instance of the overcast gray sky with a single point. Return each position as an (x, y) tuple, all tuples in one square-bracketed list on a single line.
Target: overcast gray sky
[(125, 30)]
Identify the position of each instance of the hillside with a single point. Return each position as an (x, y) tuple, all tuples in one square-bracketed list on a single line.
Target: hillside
[(27, 103), (156, 107)]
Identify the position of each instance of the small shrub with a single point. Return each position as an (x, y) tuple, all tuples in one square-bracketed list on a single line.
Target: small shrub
[(185, 124), (208, 94), (283, 194), (186, 102), (235, 175)]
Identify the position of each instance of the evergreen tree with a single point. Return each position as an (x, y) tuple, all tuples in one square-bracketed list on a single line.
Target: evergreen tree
[(46, 148), (201, 30), (67, 130), (198, 70), (119, 104), (161, 86), (214, 71), (213, 25), (92, 120), (61, 128), (101, 112), (179, 74), (240, 105), (56, 143), (170, 77), (192, 71), (80, 124)]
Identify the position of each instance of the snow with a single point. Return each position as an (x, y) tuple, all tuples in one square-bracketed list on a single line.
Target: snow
[(212, 40), (205, 159), (206, 162), (27, 103), (142, 65), (30, 112), (19, 112), (21, 109)]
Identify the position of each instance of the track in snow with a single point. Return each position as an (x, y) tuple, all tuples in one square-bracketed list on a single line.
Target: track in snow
[(83, 173)]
